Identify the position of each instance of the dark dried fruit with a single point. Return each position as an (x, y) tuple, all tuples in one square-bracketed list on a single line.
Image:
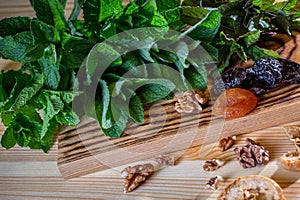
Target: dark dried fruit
[(234, 103), (252, 154), (265, 75)]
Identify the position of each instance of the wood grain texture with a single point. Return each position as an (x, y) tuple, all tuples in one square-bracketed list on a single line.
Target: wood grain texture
[(30, 174), (84, 149)]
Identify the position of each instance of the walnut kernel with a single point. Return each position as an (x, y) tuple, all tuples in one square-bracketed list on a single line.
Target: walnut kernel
[(252, 154), (212, 165), (165, 160), (213, 183), (135, 175), (226, 143), (186, 103)]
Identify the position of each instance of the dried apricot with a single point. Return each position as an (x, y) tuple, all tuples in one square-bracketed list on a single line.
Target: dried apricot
[(234, 103)]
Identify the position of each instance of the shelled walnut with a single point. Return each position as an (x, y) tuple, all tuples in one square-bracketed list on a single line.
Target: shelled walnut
[(213, 183), (202, 97), (186, 103), (292, 132), (226, 143), (212, 165), (135, 175), (165, 160), (252, 154)]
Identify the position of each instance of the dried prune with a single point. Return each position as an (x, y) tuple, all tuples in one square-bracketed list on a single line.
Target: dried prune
[(234, 103), (263, 76)]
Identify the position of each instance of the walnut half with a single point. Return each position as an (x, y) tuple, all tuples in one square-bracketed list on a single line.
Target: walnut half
[(165, 160), (214, 182), (252, 154), (212, 165), (135, 175), (226, 143)]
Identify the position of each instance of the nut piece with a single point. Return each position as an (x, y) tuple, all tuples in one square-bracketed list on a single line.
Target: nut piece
[(291, 160), (252, 154), (165, 160), (252, 187), (212, 165), (202, 97), (226, 143), (213, 183), (293, 132), (135, 175), (187, 104)]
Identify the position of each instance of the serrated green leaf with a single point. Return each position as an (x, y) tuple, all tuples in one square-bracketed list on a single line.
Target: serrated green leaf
[(67, 116), (75, 50), (50, 67), (13, 25), (207, 30), (28, 92), (43, 32), (95, 11), (50, 12), (11, 49)]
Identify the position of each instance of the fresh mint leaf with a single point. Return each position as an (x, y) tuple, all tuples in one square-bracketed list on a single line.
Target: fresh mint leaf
[(192, 15), (25, 129), (207, 30), (100, 57), (164, 5), (67, 116), (11, 49), (43, 32), (112, 118), (251, 37), (28, 92), (136, 109), (95, 11), (50, 67), (257, 53), (75, 50), (13, 25), (151, 92), (52, 105), (166, 56), (196, 78), (103, 99), (8, 140), (50, 12)]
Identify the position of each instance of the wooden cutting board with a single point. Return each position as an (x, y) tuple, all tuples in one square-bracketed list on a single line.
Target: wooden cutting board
[(84, 149)]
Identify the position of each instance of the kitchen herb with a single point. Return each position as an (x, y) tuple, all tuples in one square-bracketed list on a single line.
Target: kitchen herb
[(38, 97)]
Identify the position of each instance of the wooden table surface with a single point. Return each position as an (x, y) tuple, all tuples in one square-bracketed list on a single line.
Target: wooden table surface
[(31, 174)]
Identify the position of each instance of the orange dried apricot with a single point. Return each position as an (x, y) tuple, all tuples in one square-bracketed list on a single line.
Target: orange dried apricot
[(234, 103)]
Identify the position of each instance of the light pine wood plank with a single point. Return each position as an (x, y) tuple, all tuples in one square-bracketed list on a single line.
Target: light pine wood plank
[(30, 174), (85, 149)]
